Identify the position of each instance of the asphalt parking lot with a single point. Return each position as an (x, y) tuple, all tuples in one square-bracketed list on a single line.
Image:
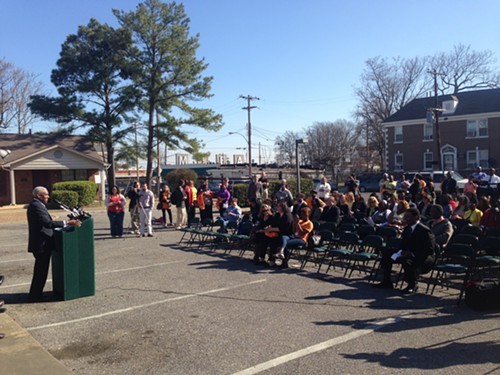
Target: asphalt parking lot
[(161, 308)]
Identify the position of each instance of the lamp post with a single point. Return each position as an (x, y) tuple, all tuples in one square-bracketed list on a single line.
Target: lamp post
[(297, 143), (249, 152), (4, 153)]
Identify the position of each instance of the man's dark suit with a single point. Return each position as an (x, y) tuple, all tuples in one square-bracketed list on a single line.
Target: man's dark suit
[(40, 243), (421, 243)]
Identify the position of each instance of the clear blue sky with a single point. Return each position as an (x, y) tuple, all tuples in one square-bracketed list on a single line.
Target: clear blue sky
[(302, 58)]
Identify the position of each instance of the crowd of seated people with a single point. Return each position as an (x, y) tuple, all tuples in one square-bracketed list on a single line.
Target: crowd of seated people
[(281, 223)]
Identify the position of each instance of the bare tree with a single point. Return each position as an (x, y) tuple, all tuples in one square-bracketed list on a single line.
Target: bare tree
[(331, 144), (16, 88), (284, 146), (465, 69), (386, 86)]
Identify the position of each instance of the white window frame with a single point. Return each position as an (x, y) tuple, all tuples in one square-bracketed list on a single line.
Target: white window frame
[(398, 134), (398, 166), (474, 128), (426, 154), (477, 158), (428, 132)]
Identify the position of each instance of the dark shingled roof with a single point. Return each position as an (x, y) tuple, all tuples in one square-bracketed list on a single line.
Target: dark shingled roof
[(22, 145), (469, 102)]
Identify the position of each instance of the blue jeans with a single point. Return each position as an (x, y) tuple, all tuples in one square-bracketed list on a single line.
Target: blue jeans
[(116, 223)]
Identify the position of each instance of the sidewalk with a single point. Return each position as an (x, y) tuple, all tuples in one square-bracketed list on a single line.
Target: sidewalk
[(21, 354)]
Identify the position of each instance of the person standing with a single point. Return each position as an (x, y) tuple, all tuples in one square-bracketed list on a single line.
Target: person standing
[(41, 239), (264, 182), (165, 205), (205, 202), (449, 185), (223, 197), (133, 207), (189, 202), (146, 204), (254, 189), (323, 189), (178, 198), (115, 202)]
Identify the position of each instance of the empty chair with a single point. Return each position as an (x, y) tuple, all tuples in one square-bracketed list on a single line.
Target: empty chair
[(387, 232), (457, 260), (365, 230), (369, 250), (346, 245), (468, 239), (470, 229)]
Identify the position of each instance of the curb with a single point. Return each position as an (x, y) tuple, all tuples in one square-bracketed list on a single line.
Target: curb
[(21, 354)]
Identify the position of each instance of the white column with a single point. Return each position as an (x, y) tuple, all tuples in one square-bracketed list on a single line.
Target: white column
[(103, 184), (12, 188)]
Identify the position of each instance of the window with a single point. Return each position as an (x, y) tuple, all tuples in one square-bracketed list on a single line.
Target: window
[(398, 162), (477, 128), (477, 158), (428, 160), (74, 175), (398, 134), (428, 131)]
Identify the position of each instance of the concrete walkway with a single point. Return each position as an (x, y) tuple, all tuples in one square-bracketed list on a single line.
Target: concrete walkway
[(21, 354)]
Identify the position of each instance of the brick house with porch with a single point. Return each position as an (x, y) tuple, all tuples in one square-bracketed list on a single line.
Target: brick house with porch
[(42, 160), (469, 128)]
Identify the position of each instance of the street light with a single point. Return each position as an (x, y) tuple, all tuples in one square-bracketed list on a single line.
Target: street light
[(297, 143), (249, 152), (4, 153)]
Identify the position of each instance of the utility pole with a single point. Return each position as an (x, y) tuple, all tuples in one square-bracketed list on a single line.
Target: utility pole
[(136, 152), (436, 110), (249, 108)]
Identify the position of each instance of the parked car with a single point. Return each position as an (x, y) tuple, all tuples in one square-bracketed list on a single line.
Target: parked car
[(438, 177), (369, 182)]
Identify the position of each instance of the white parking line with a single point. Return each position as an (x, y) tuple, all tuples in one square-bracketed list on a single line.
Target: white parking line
[(16, 260), (318, 347), (132, 308), (106, 272)]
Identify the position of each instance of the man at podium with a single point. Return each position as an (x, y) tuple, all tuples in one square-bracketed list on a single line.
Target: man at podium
[(41, 239)]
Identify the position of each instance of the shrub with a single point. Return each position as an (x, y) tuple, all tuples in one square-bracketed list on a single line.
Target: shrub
[(174, 176), (85, 191), (66, 197), (240, 191)]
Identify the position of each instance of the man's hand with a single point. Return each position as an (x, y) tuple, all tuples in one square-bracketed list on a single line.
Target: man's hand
[(75, 223)]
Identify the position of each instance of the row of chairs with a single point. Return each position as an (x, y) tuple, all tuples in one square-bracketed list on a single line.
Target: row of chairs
[(467, 255), (353, 246)]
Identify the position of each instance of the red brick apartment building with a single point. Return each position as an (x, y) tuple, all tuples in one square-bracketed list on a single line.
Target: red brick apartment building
[(469, 130)]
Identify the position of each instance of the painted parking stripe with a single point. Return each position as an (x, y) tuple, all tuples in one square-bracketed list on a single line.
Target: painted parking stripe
[(318, 347), (16, 260), (137, 307), (106, 272)]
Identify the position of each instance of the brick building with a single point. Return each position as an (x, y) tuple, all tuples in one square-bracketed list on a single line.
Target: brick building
[(469, 128), (42, 160)]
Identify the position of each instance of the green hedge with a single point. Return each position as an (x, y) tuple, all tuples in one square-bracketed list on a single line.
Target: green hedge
[(240, 191), (174, 176), (67, 197), (86, 191)]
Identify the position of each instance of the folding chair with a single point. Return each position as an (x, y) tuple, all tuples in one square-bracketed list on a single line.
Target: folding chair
[(348, 243), (456, 260), (370, 248), (327, 238)]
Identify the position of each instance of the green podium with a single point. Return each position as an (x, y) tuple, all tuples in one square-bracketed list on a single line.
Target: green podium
[(73, 271)]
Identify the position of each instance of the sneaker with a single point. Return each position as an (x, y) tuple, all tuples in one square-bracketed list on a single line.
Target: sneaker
[(279, 262), (150, 235), (281, 254)]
